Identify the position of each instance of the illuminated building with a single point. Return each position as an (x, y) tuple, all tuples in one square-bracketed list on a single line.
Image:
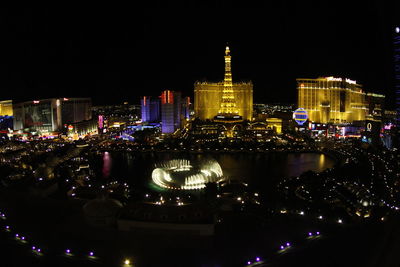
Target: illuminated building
[(150, 108), (262, 130), (80, 129), (6, 115), (75, 110), (171, 110), (50, 115), (38, 116), (6, 108), (275, 124), (186, 107), (397, 72), (223, 98), (375, 105), (332, 100)]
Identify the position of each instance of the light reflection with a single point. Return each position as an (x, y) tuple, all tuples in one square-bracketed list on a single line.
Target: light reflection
[(107, 163), (321, 164)]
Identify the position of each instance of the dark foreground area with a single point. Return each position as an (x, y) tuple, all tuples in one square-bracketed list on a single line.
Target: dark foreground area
[(56, 226)]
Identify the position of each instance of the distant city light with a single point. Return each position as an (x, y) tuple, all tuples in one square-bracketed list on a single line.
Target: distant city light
[(397, 29)]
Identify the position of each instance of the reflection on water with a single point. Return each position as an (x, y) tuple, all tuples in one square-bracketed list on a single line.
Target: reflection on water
[(321, 161), (107, 164), (272, 166), (258, 168)]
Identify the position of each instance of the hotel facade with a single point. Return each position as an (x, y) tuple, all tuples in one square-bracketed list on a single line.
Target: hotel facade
[(332, 100), (225, 98)]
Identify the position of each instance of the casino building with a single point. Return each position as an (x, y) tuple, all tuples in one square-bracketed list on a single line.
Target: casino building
[(48, 116), (171, 111), (6, 114), (150, 109), (224, 99), (336, 100)]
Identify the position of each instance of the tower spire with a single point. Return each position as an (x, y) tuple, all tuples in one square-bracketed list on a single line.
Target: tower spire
[(228, 105)]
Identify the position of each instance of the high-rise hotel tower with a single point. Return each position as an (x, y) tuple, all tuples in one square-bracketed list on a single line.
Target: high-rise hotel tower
[(223, 99), (171, 110), (332, 100)]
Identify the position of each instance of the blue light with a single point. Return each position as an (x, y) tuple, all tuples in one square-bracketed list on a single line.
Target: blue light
[(300, 116)]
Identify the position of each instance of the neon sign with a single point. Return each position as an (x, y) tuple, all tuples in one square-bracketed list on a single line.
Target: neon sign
[(300, 116)]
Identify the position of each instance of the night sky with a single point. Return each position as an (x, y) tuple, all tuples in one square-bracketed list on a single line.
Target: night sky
[(116, 54)]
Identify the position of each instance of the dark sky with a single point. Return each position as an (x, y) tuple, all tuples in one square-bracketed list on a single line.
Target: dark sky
[(116, 54)]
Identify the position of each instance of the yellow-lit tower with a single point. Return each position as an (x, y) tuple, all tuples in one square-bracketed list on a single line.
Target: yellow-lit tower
[(224, 101), (228, 104)]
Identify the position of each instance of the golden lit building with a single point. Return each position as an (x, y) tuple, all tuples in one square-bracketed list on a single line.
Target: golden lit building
[(6, 108), (332, 100), (275, 124), (224, 98)]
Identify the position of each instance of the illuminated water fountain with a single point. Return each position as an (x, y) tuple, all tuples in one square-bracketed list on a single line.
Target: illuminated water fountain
[(182, 174)]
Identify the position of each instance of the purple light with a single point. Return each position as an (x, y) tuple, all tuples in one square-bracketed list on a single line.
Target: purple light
[(282, 247), (16, 235), (287, 244), (23, 238), (68, 251), (33, 248), (317, 233), (107, 163), (91, 253), (38, 250), (7, 227), (248, 263), (309, 234), (257, 259)]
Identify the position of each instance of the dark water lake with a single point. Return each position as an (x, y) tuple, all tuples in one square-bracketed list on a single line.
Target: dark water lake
[(260, 170)]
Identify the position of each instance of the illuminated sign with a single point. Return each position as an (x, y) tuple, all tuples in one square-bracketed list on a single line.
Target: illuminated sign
[(350, 81), (101, 121), (333, 79), (369, 126), (300, 116), (36, 101), (388, 126)]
